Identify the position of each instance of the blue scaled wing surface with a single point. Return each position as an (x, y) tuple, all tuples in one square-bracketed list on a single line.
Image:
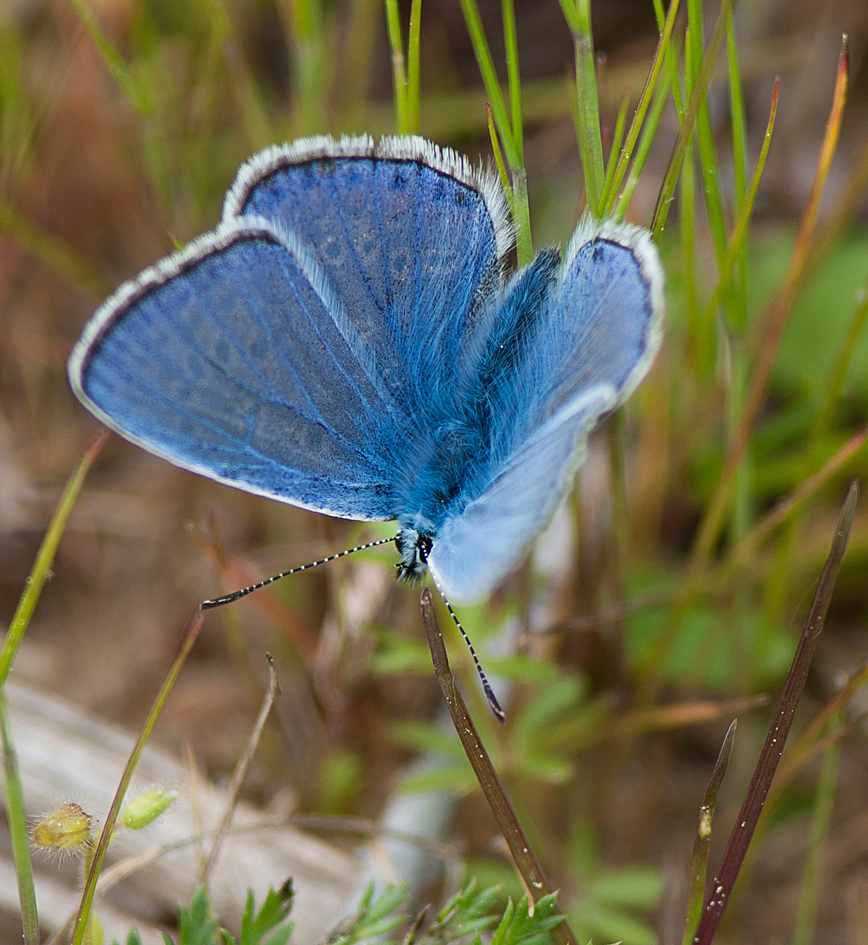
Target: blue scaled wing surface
[(586, 343), (294, 351)]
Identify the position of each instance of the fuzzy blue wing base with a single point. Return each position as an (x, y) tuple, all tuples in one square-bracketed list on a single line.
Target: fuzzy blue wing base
[(474, 550), (585, 345)]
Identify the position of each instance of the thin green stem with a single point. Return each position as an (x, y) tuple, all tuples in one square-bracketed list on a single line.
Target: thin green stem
[(414, 67), (42, 566), (806, 917), (649, 92), (15, 814), (309, 40), (738, 241), (399, 75), (499, 111), (510, 41), (84, 911), (588, 104), (680, 148)]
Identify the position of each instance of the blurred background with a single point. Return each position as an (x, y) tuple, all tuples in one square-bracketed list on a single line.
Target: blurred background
[(122, 123)]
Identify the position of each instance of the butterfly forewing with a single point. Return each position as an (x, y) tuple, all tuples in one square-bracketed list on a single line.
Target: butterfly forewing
[(226, 360), (410, 238)]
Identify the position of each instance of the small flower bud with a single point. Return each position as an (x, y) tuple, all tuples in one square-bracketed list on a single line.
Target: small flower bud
[(65, 830), (146, 808), (93, 933)]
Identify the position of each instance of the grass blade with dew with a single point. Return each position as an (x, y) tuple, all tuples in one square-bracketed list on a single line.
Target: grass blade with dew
[(702, 841), (806, 745), (746, 822)]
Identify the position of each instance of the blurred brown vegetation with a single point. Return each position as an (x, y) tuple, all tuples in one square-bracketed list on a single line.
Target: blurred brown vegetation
[(93, 189)]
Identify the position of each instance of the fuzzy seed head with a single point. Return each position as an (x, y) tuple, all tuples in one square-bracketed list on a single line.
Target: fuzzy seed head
[(147, 807), (68, 829)]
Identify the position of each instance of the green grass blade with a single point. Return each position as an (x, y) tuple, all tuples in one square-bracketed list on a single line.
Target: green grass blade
[(688, 242), (414, 67), (667, 188), (588, 104), (484, 59), (510, 41), (787, 507), (704, 134), (136, 92), (107, 831), (311, 58), (14, 803), (738, 243), (664, 54), (672, 54), (509, 134), (804, 929), (18, 120), (773, 330), (738, 119), (614, 152), (502, 171), (21, 620), (833, 388), (399, 75), (44, 558), (570, 10), (56, 254), (521, 217), (649, 133)]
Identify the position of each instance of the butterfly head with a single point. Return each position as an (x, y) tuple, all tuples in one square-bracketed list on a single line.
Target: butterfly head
[(414, 546)]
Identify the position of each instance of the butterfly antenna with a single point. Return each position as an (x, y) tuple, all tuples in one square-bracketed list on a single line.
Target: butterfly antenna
[(486, 685), (237, 595)]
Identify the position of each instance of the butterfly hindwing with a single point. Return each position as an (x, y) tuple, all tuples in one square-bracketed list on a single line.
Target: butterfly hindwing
[(476, 549), (607, 318), (585, 344)]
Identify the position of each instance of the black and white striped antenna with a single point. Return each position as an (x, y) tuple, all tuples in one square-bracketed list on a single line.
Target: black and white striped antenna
[(244, 591)]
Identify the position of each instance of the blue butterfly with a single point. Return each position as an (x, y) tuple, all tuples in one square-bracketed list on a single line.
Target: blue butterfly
[(346, 341)]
